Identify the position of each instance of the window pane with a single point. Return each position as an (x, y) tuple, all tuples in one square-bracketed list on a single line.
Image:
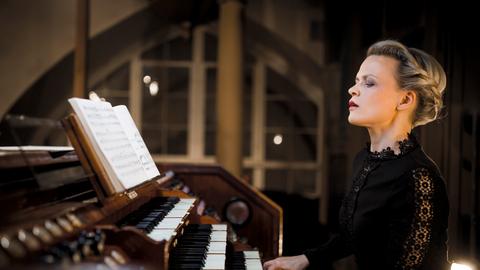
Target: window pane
[(276, 180), (176, 141), (304, 180), (211, 89), (247, 100), (305, 147), (277, 145), (153, 139), (210, 142), (166, 102), (177, 113), (304, 114), (211, 43), (210, 137), (165, 109), (293, 116), (170, 80), (176, 49), (153, 112), (278, 113)]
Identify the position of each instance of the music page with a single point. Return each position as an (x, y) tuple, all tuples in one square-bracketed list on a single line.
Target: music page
[(111, 142), (137, 141)]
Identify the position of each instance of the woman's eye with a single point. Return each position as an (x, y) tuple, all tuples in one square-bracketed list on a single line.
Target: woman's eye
[(369, 84)]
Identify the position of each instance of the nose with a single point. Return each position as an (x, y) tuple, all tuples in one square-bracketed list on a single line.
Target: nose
[(353, 90)]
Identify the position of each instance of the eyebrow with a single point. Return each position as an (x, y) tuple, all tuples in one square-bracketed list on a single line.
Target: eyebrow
[(365, 76)]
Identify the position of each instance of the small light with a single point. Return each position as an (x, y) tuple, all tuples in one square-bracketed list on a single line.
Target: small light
[(153, 88), (22, 235), (278, 139), (5, 242), (147, 79), (461, 266)]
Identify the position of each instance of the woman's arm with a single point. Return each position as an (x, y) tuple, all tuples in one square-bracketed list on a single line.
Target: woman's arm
[(334, 249), (411, 237), (287, 263)]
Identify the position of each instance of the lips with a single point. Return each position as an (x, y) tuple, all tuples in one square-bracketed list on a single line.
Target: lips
[(352, 104)]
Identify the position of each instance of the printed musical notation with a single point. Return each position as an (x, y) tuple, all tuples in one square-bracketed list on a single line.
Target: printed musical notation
[(137, 142), (120, 149)]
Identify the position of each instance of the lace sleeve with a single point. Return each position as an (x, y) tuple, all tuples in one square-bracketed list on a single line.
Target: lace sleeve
[(417, 241)]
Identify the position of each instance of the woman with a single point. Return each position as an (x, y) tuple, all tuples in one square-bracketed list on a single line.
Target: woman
[(396, 213)]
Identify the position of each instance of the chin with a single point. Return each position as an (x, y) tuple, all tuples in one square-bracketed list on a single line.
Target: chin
[(354, 121)]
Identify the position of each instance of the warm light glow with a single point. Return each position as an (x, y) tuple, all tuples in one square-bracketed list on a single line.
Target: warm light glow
[(93, 96), (5, 242), (461, 266), (153, 88), (22, 235), (147, 79), (278, 139)]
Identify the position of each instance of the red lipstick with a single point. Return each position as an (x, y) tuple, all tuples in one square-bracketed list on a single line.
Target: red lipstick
[(352, 104)]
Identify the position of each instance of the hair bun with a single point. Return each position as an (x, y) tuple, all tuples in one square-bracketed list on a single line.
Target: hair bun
[(417, 71)]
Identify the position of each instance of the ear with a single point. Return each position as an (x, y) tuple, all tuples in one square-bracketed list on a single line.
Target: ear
[(408, 100)]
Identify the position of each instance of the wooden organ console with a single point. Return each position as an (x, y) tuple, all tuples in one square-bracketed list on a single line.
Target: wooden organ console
[(55, 216)]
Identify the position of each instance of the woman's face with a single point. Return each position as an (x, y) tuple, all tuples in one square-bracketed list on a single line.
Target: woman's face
[(375, 94)]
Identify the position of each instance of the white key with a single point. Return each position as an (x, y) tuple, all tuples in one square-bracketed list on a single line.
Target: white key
[(177, 213), (217, 247), (162, 234), (183, 206), (166, 228), (252, 260), (218, 236), (219, 227), (169, 223), (188, 200), (252, 254), (214, 262)]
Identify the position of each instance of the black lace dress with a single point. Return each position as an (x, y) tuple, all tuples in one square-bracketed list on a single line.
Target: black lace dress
[(395, 215)]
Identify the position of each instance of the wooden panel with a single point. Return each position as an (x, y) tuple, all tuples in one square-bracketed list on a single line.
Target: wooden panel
[(217, 187)]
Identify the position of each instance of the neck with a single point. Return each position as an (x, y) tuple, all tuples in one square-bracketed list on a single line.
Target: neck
[(381, 138)]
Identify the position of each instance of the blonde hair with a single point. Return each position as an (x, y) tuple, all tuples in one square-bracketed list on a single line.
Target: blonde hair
[(417, 71)]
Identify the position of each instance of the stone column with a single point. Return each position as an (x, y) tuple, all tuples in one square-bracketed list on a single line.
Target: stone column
[(230, 86)]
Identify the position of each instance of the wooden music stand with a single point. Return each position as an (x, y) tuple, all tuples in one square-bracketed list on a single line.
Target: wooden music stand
[(88, 158)]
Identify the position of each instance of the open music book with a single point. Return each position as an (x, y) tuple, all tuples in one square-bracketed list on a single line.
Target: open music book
[(116, 142)]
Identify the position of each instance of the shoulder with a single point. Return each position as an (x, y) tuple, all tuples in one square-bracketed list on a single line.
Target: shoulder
[(421, 166), (420, 163), (421, 175)]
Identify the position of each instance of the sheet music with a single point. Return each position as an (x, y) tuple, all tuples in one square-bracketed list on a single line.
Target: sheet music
[(137, 142), (116, 151)]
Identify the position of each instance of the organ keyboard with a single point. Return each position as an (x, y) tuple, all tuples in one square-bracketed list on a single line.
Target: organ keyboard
[(53, 217), (248, 260)]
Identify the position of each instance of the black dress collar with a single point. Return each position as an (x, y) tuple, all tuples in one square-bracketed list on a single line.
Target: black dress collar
[(406, 146)]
